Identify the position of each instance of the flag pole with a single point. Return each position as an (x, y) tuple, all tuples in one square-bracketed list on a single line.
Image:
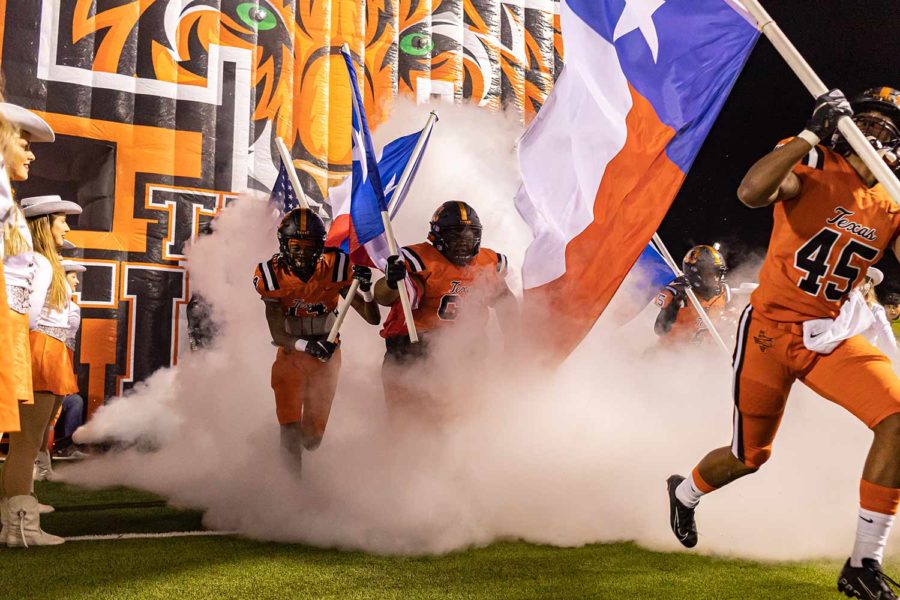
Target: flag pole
[(343, 309), (690, 294), (400, 190), (769, 28), (402, 184), (292, 172), (401, 289)]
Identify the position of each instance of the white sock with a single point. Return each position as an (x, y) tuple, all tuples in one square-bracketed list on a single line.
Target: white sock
[(872, 531), (688, 493)]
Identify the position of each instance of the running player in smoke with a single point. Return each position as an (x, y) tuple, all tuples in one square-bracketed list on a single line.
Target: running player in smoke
[(455, 279), (301, 286), (704, 272), (831, 222)]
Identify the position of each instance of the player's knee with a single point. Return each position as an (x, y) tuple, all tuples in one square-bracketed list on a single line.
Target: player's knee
[(753, 460)]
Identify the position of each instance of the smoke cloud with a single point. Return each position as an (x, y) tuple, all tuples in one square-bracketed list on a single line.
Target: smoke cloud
[(566, 458)]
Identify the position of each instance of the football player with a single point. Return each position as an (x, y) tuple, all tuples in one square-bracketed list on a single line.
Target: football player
[(301, 286), (455, 279), (831, 222), (704, 272)]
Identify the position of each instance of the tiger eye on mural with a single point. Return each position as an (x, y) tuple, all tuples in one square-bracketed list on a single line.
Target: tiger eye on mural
[(165, 110)]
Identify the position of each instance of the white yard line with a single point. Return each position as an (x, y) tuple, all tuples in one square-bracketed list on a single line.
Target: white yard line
[(146, 536)]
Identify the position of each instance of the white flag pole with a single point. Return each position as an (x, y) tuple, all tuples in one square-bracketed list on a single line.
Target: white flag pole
[(343, 309), (292, 172), (769, 28), (401, 288), (690, 294), (402, 184)]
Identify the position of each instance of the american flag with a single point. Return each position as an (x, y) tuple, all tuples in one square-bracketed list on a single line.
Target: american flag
[(283, 195)]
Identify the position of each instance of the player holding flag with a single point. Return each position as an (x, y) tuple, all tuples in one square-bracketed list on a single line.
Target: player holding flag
[(832, 220), (455, 278), (301, 286)]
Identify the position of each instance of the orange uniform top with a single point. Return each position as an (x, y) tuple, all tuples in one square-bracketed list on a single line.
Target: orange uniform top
[(449, 291), (297, 298), (823, 240), (688, 326)]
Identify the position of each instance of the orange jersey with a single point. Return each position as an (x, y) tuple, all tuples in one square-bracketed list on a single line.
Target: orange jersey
[(688, 326), (823, 240), (297, 298), (448, 290)]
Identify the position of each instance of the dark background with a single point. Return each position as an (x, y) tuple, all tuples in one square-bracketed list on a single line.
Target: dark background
[(851, 45)]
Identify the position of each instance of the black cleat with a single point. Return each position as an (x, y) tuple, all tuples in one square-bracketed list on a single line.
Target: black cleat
[(866, 582), (681, 518)]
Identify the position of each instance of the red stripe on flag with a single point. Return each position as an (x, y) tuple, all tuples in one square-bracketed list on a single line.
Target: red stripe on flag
[(635, 193), (339, 231)]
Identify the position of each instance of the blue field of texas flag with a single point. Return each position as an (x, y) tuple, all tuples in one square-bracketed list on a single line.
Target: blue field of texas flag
[(601, 163)]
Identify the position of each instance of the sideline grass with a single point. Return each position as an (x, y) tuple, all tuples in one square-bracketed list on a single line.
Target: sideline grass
[(228, 567)]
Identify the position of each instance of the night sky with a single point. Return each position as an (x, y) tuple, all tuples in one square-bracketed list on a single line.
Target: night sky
[(851, 45)]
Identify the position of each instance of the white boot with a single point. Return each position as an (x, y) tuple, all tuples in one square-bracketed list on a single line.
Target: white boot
[(43, 469), (25, 524), (45, 509), (4, 519)]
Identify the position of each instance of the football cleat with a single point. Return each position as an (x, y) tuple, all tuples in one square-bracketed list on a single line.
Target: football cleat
[(681, 518), (866, 582)]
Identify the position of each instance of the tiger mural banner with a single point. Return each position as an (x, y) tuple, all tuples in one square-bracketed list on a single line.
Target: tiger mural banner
[(166, 110)]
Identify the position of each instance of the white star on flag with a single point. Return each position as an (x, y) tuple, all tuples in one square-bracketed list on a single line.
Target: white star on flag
[(390, 185), (359, 154), (638, 14)]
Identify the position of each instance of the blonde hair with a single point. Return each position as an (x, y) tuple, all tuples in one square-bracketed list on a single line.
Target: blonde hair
[(43, 243), (14, 243)]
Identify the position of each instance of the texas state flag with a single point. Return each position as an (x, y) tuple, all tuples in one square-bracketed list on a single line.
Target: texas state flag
[(391, 164), (601, 163)]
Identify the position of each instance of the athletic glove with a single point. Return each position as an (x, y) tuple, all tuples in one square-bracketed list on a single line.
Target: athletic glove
[(395, 271), (679, 285), (321, 349), (829, 108), (364, 276)]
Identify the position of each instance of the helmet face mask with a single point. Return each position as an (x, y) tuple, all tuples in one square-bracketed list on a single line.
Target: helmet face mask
[(460, 245), (456, 232), (705, 270), (301, 241), (302, 255), (877, 114)]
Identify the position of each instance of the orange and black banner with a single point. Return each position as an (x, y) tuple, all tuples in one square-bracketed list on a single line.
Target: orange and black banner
[(166, 109)]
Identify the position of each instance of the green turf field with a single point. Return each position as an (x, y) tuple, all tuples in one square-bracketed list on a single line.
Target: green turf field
[(230, 567)]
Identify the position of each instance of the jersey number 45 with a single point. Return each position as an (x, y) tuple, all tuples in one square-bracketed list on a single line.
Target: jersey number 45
[(815, 259)]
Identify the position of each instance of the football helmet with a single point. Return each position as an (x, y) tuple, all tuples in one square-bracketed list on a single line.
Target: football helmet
[(877, 114), (456, 232), (301, 241), (705, 270)]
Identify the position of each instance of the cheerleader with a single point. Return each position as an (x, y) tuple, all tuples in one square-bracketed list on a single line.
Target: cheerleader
[(18, 508), (72, 404)]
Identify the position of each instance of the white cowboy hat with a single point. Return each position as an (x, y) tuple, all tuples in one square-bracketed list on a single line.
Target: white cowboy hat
[(27, 121), (67, 245), (72, 266), (875, 275), (37, 206)]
